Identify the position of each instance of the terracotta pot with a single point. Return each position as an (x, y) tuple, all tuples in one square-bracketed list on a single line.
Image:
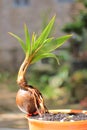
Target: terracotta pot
[(56, 125)]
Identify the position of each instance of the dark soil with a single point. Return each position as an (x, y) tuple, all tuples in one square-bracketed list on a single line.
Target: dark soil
[(62, 117)]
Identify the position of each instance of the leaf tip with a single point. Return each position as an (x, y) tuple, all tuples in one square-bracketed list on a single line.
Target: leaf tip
[(25, 25), (9, 33), (54, 17)]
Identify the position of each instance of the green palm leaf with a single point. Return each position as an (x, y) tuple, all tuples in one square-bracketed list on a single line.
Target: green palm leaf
[(20, 41), (44, 34), (43, 46), (54, 44), (45, 55), (33, 38), (27, 37)]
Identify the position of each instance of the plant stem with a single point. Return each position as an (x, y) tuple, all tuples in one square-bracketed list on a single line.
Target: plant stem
[(21, 74), (21, 81)]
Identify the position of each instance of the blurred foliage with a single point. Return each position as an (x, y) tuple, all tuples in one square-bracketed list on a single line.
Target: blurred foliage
[(84, 2), (9, 80), (74, 27), (78, 51), (4, 76), (80, 76), (79, 29)]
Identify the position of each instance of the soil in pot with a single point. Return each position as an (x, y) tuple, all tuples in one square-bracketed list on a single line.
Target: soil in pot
[(62, 117)]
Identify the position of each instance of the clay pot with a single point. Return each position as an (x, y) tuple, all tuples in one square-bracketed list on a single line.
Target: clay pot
[(56, 125)]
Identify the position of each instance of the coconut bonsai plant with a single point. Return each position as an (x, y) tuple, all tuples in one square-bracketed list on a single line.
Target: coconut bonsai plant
[(29, 99)]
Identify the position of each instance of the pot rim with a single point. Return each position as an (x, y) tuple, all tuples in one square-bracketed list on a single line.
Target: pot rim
[(61, 110)]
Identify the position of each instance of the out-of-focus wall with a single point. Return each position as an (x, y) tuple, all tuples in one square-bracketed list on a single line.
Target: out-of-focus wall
[(13, 17)]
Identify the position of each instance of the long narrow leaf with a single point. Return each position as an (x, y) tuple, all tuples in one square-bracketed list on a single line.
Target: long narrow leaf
[(45, 55), (20, 41), (27, 36), (41, 46), (50, 45), (44, 34), (54, 44), (33, 39), (48, 40)]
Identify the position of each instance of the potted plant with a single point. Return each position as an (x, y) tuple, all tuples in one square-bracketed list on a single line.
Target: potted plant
[(29, 99)]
